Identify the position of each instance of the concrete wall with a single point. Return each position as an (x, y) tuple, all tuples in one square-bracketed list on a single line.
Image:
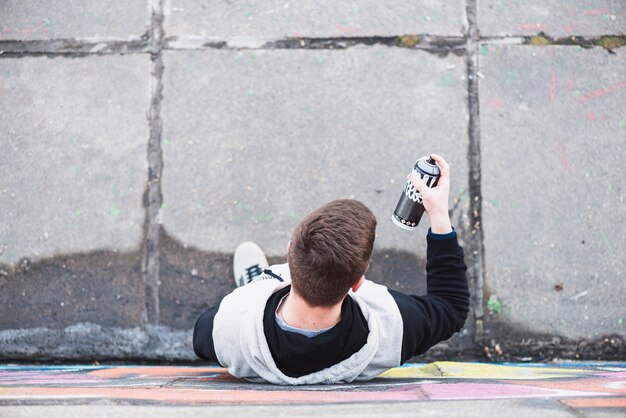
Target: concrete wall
[(141, 141)]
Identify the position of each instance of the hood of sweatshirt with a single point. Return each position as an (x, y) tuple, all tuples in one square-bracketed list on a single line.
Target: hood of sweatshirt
[(241, 343), (297, 355)]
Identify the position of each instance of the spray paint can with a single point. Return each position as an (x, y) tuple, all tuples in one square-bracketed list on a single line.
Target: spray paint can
[(410, 209)]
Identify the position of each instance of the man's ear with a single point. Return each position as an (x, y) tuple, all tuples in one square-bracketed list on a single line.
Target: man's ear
[(288, 245), (358, 284)]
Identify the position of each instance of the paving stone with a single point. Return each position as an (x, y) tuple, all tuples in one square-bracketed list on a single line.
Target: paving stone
[(73, 172), (553, 131), (74, 163), (255, 140), (63, 19), (280, 19), (555, 18)]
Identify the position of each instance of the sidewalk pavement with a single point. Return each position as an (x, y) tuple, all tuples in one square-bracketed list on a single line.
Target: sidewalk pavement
[(142, 141), (434, 389)]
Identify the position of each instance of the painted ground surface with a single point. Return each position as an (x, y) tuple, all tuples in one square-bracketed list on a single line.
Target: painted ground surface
[(578, 385)]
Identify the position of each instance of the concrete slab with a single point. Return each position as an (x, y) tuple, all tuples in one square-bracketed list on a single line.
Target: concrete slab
[(273, 19), (73, 172), (83, 123), (555, 18), (62, 19), (553, 182), (254, 140)]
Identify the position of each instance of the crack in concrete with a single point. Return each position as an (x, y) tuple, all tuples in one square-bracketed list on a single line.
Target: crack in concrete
[(155, 166), (441, 45), (608, 42), (437, 44), (79, 48), (70, 48), (475, 236)]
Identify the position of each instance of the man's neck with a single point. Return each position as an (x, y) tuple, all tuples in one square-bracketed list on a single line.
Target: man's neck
[(297, 313)]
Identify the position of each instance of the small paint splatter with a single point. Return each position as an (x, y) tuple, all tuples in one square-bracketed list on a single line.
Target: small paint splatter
[(596, 12), (446, 80), (620, 321), (621, 123), (115, 211), (606, 241), (533, 26), (494, 305), (483, 50), (509, 78), (344, 28), (263, 218), (609, 186), (552, 88), (166, 141), (250, 92), (495, 104), (602, 92)]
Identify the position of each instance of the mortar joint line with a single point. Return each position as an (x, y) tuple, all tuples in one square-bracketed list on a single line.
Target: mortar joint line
[(475, 236), (155, 165), (155, 42)]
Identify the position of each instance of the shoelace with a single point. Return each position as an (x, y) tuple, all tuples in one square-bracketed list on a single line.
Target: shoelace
[(251, 273), (254, 271)]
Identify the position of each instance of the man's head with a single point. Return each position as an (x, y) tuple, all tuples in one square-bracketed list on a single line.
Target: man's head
[(330, 250)]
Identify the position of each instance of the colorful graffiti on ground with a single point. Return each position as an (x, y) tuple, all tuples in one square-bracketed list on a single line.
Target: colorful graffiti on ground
[(588, 385)]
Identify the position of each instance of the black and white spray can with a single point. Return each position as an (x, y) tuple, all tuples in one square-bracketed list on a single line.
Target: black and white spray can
[(410, 209)]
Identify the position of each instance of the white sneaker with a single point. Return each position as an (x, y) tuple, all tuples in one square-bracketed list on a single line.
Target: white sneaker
[(249, 263)]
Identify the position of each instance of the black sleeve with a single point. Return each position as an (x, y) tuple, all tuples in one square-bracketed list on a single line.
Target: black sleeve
[(203, 336), (442, 312)]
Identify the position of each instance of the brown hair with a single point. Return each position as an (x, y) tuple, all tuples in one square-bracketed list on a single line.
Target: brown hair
[(330, 250)]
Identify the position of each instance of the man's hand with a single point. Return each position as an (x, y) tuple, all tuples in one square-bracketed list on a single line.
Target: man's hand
[(435, 200)]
